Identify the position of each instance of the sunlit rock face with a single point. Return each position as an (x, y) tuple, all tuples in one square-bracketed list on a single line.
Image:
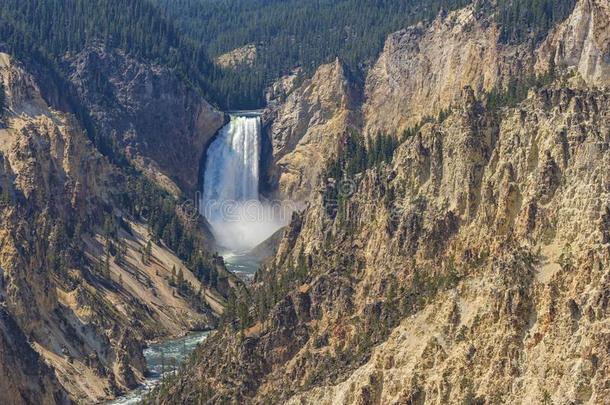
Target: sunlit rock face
[(308, 127), (423, 69), (472, 268), (581, 44), (70, 327)]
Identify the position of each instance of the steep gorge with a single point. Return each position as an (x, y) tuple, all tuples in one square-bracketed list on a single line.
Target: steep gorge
[(472, 268), (84, 283)]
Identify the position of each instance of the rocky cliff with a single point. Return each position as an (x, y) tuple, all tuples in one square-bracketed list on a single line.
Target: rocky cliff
[(471, 257), (473, 267), (83, 282), (306, 129), (415, 77), (25, 377), (148, 111), (246, 55), (581, 43), (423, 69)]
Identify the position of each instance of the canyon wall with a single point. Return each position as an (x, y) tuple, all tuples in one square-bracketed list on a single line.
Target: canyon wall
[(77, 297), (473, 267), (149, 112), (581, 44), (306, 129)]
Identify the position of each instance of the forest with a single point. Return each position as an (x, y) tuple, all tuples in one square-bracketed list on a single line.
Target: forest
[(291, 33), (188, 34)]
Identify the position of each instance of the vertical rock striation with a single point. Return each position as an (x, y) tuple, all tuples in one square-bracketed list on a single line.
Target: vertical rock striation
[(581, 43), (73, 316), (472, 268), (306, 129), (423, 69)]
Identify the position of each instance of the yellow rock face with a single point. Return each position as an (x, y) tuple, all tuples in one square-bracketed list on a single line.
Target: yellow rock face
[(307, 128), (82, 333)]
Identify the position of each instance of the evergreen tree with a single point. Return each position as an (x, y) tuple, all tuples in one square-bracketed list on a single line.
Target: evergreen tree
[(107, 265), (301, 265), (3, 102), (148, 251), (121, 252), (172, 280), (180, 279)]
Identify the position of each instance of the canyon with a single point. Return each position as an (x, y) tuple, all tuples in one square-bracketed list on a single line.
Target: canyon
[(79, 301), (432, 226), (472, 266)]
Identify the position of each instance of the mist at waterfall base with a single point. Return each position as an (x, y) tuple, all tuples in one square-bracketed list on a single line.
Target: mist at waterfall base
[(231, 203)]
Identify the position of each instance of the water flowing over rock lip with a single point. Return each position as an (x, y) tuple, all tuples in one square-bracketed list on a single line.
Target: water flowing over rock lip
[(245, 113), (231, 201)]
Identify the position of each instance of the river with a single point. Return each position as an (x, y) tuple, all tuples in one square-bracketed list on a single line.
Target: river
[(240, 221), (162, 358), (243, 265)]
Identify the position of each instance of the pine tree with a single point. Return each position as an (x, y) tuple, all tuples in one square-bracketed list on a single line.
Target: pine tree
[(180, 280), (3, 105), (107, 265), (301, 265), (121, 252), (147, 252), (243, 313), (172, 280)]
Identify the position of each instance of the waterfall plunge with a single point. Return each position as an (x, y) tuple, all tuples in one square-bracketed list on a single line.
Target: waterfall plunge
[(231, 203)]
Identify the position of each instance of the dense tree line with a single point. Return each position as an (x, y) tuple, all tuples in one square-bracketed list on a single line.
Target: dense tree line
[(292, 33), (521, 20), (289, 33), (42, 32)]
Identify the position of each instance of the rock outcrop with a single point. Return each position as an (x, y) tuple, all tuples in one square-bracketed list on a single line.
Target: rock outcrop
[(495, 246), (307, 128), (423, 69), (474, 267), (246, 55), (581, 43), (26, 379), (161, 123), (421, 73)]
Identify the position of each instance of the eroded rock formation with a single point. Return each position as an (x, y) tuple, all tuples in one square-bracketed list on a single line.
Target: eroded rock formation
[(76, 305), (472, 268), (163, 125), (306, 129)]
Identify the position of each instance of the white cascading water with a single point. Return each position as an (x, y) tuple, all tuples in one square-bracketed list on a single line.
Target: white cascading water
[(232, 163), (230, 192)]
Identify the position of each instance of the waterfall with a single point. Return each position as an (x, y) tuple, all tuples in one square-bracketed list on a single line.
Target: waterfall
[(231, 202), (232, 163)]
